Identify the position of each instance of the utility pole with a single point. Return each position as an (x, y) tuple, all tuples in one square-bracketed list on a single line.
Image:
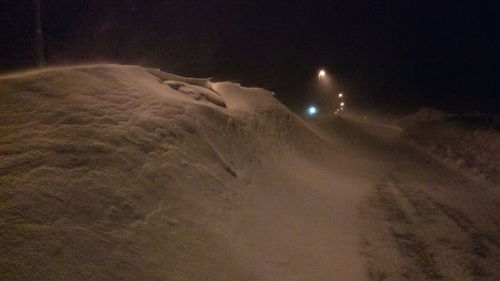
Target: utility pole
[(40, 54)]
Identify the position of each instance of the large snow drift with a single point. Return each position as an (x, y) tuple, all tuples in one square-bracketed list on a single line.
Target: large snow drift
[(112, 172)]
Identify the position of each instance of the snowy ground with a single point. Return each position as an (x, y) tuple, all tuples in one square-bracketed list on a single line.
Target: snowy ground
[(469, 143), (123, 173), (422, 220)]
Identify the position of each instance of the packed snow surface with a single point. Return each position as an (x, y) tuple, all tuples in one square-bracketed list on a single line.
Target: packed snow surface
[(111, 172)]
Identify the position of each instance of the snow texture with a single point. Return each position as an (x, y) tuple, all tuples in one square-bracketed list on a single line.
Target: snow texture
[(468, 143), (112, 172), (115, 172)]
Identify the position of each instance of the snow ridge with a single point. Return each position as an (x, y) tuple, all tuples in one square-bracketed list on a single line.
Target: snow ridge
[(101, 164)]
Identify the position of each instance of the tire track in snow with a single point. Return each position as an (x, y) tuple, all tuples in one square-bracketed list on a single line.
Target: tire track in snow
[(413, 236)]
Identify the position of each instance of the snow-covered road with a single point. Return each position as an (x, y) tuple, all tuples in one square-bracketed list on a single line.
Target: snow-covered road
[(424, 221), (372, 208)]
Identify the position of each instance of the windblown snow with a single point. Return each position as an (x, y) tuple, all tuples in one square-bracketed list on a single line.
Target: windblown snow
[(112, 172), (119, 172)]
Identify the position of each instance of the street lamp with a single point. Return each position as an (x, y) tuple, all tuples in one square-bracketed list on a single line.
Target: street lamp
[(340, 95), (312, 110), (321, 73)]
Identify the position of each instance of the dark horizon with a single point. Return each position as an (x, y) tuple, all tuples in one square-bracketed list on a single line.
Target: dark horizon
[(394, 56)]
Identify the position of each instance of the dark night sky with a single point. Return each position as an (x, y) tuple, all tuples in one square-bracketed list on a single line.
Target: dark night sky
[(390, 55)]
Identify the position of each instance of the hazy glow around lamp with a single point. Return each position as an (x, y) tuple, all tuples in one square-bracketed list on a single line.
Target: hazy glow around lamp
[(312, 110)]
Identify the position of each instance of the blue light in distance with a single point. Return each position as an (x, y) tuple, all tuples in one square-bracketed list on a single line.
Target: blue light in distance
[(312, 110)]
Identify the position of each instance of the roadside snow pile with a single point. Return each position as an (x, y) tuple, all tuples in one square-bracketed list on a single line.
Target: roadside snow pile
[(468, 142), (112, 172), (424, 114)]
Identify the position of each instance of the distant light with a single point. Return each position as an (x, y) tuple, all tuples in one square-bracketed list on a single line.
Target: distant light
[(312, 110), (340, 95), (342, 104), (321, 73)]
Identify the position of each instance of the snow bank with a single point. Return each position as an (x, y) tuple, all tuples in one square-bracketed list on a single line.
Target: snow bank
[(465, 142), (101, 164)]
